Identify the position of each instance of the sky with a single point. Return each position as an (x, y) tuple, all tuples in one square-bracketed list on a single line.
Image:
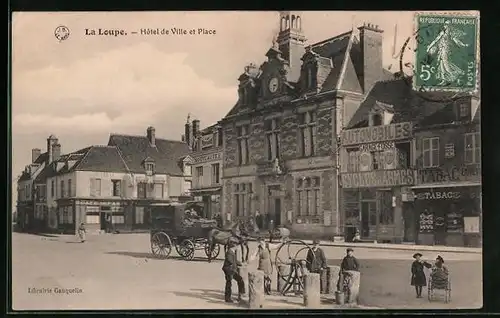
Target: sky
[(86, 87)]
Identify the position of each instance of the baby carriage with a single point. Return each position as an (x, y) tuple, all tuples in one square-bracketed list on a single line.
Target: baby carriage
[(439, 279)]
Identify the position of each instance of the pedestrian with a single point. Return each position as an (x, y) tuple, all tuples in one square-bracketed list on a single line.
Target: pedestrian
[(439, 272), (230, 269), (417, 273), (258, 219), (349, 263), (218, 219), (263, 253), (82, 232), (316, 260)]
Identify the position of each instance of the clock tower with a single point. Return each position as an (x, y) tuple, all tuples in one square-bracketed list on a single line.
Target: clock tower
[(291, 41)]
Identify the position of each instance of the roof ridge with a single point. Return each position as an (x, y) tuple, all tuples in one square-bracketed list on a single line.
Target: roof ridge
[(142, 136), (337, 37)]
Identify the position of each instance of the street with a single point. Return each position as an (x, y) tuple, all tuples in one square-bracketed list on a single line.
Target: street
[(119, 272)]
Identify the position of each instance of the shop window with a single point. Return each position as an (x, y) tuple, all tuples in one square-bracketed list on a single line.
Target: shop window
[(307, 130), (66, 215), (118, 219), (308, 196), (472, 148), (139, 215), (117, 186), (92, 215), (386, 209), (430, 150)]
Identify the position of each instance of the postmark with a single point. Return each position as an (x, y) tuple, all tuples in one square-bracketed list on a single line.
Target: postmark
[(446, 53), (62, 33)]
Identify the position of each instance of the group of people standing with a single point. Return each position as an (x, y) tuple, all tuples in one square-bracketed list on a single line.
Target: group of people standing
[(439, 273), (315, 263)]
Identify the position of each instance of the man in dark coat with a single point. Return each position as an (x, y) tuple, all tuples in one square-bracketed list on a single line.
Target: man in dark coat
[(218, 219), (316, 260), (258, 219), (417, 273), (230, 269), (349, 263)]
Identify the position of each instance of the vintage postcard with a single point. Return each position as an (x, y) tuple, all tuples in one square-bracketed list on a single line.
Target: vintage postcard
[(246, 160)]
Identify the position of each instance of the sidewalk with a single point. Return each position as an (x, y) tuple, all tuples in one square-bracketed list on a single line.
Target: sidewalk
[(403, 247)]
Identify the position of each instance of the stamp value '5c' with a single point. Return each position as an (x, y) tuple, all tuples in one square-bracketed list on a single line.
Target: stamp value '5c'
[(446, 53)]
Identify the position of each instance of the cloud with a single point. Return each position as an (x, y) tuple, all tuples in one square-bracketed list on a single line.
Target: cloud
[(115, 91)]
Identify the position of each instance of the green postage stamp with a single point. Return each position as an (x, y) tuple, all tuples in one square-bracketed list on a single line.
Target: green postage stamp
[(446, 52)]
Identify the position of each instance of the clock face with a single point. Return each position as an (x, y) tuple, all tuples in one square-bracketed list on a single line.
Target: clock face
[(273, 85)]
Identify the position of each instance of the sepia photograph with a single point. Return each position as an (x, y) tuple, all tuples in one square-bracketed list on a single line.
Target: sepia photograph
[(246, 160)]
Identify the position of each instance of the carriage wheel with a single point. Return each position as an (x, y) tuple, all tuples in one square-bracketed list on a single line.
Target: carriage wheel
[(186, 249), (161, 245), (292, 251), (215, 252)]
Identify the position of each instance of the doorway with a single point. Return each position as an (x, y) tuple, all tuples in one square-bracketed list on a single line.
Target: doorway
[(103, 220), (368, 217), (410, 223), (274, 205)]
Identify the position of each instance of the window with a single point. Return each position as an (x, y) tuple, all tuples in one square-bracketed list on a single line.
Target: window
[(66, 215), (309, 77), (150, 167), (95, 187), (141, 190), (272, 138), (117, 187), (199, 171), (220, 138), (307, 130), (386, 209), (472, 148), (158, 187), (215, 173), (430, 149), (377, 120), (139, 215), (243, 134), (242, 199), (463, 110), (188, 170), (353, 160), (308, 196), (52, 188), (69, 188), (62, 189)]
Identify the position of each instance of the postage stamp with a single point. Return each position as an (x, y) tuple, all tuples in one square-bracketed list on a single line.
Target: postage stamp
[(446, 52)]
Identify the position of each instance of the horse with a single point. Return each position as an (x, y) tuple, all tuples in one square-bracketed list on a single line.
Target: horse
[(224, 237), (250, 227)]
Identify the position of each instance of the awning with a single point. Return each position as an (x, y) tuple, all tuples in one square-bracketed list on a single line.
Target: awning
[(212, 190), (447, 185)]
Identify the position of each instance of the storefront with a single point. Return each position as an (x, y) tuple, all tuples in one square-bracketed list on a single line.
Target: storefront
[(449, 216), (373, 204), (210, 198)]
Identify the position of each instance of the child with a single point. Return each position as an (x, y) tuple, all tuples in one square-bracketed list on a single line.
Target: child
[(82, 232), (417, 273)]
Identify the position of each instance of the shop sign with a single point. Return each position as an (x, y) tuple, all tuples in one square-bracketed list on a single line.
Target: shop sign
[(449, 174), (378, 146), (377, 134), (379, 178), (209, 157), (207, 141), (439, 195)]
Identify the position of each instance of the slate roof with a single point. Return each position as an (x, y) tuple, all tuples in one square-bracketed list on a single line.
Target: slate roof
[(42, 158), (408, 105), (165, 153)]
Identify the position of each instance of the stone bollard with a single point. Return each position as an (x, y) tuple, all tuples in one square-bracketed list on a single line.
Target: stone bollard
[(323, 281), (332, 273), (243, 272), (312, 294), (355, 280), (283, 273), (256, 289)]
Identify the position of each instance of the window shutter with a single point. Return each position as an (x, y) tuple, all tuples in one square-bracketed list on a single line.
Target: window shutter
[(92, 187)]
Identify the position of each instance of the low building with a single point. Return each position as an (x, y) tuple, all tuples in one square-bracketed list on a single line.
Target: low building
[(448, 185), (115, 184), (206, 166)]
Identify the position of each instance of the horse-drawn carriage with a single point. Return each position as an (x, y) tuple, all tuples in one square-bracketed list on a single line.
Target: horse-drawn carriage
[(173, 228)]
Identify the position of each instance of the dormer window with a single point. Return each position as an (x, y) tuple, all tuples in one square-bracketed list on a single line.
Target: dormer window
[(150, 168), (377, 120), (463, 110)]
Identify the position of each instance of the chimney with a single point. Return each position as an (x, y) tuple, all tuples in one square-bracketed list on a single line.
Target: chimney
[(291, 41), (52, 140), (196, 127), (151, 136), (56, 151), (371, 47), (187, 133), (35, 153)]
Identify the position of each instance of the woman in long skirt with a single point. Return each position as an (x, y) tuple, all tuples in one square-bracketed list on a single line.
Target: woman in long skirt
[(417, 273), (82, 232), (263, 253)]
